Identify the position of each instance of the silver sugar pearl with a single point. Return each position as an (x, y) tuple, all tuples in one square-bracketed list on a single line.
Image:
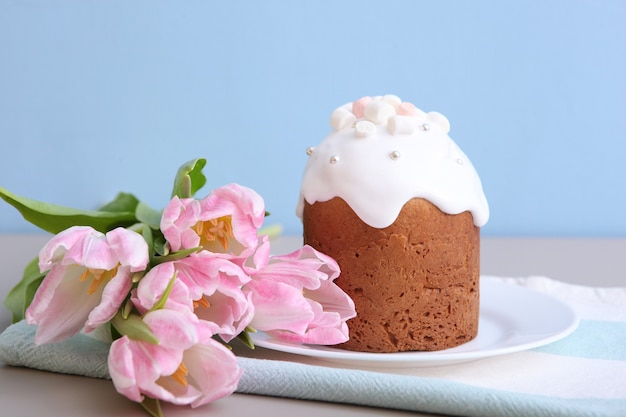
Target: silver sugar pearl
[(394, 155), (334, 159), (425, 127), (310, 150), (459, 161)]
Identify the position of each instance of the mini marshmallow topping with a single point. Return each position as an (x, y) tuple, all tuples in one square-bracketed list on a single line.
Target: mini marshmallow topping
[(382, 153)]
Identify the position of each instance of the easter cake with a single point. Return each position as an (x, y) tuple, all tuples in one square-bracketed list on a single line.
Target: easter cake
[(399, 206)]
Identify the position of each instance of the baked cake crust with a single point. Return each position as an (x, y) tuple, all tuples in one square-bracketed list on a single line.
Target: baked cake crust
[(415, 283)]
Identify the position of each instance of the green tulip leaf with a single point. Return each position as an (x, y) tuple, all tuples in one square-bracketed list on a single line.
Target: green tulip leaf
[(148, 215), (168, 290), (161, 247), (54, 219), (152, 406), (245, 338), (175, 256), (189, 178), (20, 297), (133, 327), (123, 202)]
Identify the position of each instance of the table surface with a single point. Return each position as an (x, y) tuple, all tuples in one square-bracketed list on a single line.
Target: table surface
[(27, 392)]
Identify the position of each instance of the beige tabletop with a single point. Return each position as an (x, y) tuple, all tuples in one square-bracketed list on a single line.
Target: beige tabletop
[(26, 392)]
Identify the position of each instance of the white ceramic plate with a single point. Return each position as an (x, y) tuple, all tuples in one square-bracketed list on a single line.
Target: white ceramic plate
[(512, 319)]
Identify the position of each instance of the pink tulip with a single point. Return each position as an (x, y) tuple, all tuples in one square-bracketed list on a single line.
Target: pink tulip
[(186, 367), (295, 298), (90, 275), (224, 222), (205, 284), (153, 286), (178, 223)]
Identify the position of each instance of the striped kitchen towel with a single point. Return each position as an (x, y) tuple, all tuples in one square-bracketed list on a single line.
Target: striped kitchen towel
[(582, 374)]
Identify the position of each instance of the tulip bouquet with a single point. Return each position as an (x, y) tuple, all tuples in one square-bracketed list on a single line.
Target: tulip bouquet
[(171, 289)]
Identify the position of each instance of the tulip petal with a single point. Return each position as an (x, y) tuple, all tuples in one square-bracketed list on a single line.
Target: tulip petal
[(213, 370), (129, 247), (279, 306), (111, 299), (153, 285), (60, 305), (55, 249), (121, 365)]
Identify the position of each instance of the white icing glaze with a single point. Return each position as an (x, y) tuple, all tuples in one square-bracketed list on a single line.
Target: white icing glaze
[(389, 153)]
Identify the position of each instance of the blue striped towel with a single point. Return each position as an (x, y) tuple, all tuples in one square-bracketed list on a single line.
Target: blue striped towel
[(584, 374)]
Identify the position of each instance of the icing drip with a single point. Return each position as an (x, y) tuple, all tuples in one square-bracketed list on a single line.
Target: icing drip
[(384, 152)]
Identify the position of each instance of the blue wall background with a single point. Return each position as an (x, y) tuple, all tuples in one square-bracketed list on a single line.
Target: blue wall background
[(98, 97)]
